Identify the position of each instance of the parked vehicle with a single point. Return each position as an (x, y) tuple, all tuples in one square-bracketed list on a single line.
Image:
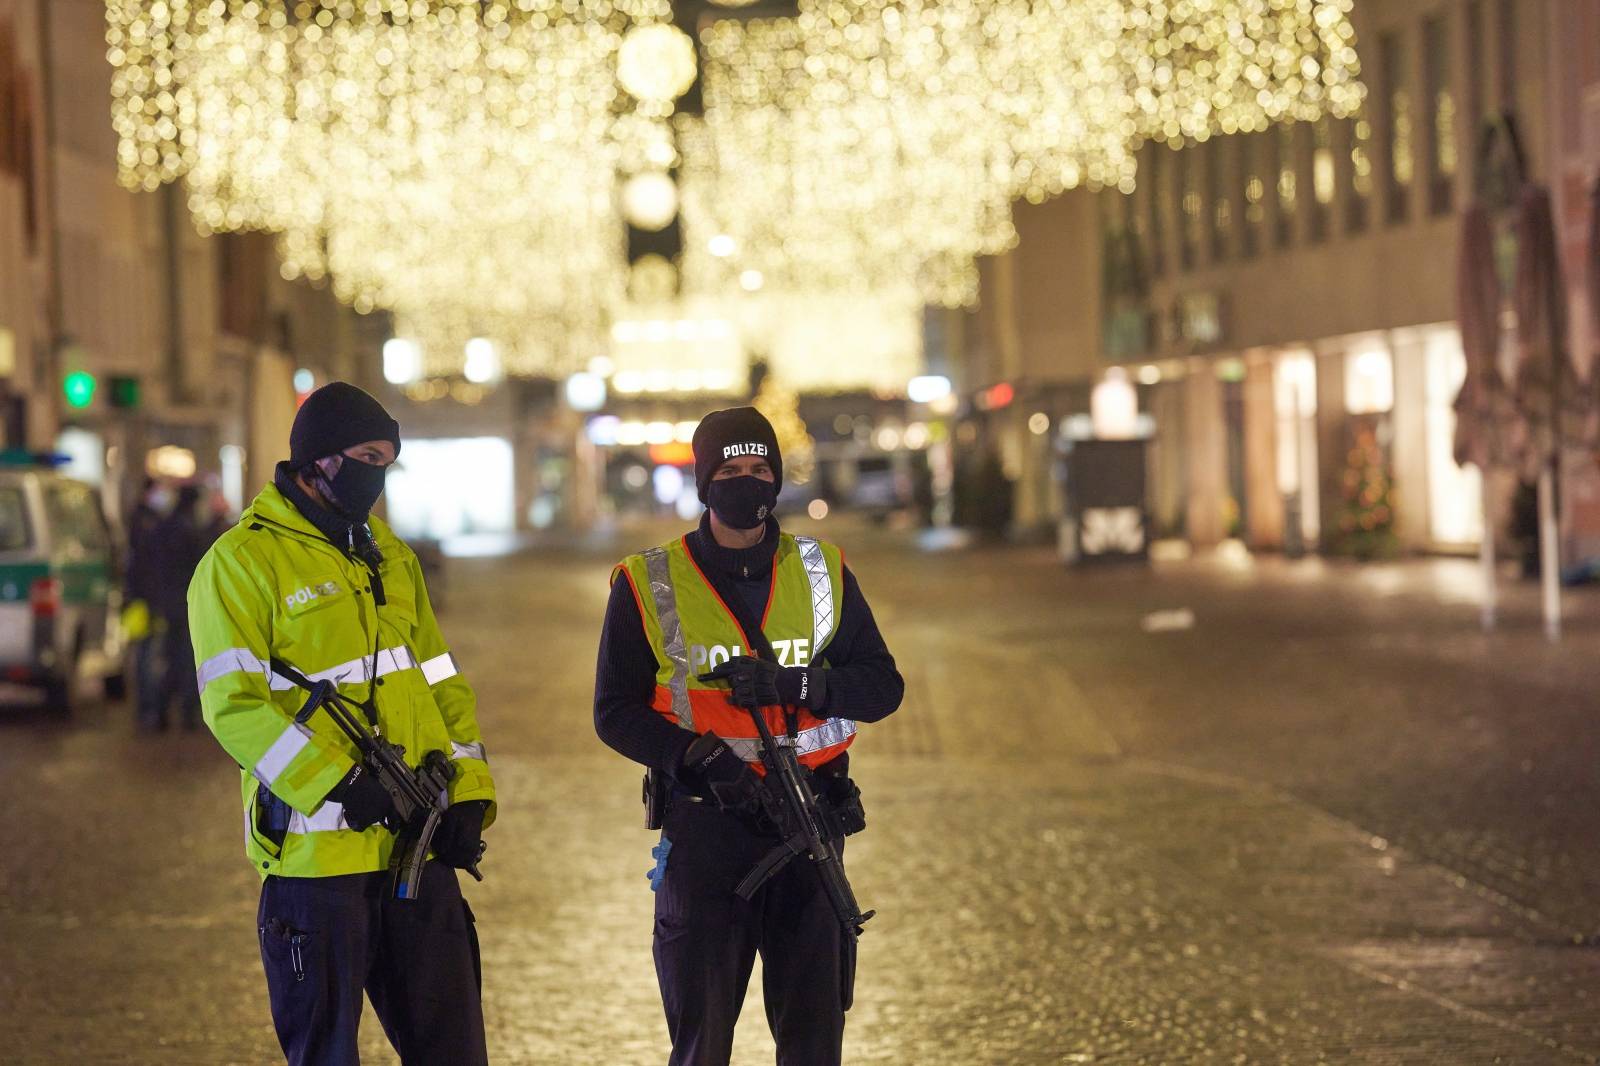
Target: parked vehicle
[(60, 597)]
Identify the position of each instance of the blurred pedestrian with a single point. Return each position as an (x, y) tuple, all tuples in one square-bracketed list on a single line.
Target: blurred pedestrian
[(173, 548), (310, 580), (691, 608), (138, 586), (219, 517)]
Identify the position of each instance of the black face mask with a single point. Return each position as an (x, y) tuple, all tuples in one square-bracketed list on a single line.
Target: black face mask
[(355, 488), (741, 502)]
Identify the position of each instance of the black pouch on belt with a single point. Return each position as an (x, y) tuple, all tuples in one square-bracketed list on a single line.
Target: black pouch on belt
[(840, 801), (655, 799)]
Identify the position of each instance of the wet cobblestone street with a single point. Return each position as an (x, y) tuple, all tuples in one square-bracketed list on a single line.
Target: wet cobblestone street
[(1330, 823)]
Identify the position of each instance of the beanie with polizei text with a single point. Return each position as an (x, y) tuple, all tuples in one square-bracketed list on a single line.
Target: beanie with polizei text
[(730, 434)]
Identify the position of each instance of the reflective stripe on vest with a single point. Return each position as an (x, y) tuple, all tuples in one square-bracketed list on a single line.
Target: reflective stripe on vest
[(679, 661), (666, 600)]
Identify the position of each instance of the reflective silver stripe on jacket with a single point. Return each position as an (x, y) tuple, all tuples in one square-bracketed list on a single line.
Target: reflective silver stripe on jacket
[(816, 565), (439, 668), (232, 661), (326, 818), (666, 601), (290, 742), (459, 750), (243, 660), (826, 735), (390, 660)]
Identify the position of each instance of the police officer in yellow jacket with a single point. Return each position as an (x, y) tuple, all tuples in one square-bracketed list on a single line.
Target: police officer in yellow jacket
[(309, 580), (677, 672)]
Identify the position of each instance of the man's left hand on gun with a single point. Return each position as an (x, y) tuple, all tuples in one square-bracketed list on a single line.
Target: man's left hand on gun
[(763, 683), (455, 842)]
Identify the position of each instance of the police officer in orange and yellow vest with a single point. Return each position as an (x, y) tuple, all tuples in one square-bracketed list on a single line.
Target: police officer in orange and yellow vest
[(681, 611)]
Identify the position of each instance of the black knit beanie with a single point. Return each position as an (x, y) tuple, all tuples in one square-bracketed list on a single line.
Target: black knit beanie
[(335, 417), (728, 434)]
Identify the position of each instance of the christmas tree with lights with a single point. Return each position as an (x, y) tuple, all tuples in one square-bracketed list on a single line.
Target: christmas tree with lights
[(1366, 527), (781, 405)]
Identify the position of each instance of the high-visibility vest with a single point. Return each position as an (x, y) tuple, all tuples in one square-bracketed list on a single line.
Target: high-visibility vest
[(692, 632), (273, 587)]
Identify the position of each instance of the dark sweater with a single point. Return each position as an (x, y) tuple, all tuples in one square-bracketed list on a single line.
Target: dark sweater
[(863, 683)]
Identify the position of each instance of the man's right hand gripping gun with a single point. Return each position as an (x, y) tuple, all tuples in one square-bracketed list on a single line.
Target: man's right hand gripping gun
[(417, 794)]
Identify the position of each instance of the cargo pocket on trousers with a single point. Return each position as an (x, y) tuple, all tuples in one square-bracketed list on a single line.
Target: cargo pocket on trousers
[(293, 960)]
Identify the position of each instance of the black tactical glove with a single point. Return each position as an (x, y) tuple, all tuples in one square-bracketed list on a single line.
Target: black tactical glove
[(455, 841), (763, 683), (366, 803), (712, 769)]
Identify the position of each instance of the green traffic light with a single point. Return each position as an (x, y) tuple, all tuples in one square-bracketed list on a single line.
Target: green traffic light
[(79, 388)]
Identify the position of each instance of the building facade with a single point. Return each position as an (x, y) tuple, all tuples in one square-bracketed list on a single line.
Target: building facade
[(1286, 299), (172, 340)]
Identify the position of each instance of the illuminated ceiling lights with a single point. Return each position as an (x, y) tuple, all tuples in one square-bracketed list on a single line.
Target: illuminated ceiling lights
[(468, 163)]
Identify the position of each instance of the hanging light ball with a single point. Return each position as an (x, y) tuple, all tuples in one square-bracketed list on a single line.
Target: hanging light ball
[(653, 279), (650, 200), (656, 63)]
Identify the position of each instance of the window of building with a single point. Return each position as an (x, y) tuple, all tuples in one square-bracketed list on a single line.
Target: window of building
[(1155, 198), (1399, 120), (1477, 81), (1219, 196), (1358, 204), (1442, 117), (1283, 142), (1253, 171), (1322, 177), (1506, 37), (1191, 209)]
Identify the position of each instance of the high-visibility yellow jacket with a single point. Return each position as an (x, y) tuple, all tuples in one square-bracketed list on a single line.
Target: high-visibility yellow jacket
[(273, 587)]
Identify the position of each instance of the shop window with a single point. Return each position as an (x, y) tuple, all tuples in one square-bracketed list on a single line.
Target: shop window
[(1369, 382), (1399, 122), (1455, 493), (1295, 394), (1283, 141), (1442, 118)]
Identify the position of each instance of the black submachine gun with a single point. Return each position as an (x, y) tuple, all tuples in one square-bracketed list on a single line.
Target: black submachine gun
[(792, 806), (418, 794)]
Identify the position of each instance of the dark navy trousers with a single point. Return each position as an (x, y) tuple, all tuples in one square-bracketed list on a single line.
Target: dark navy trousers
[(707, 938), (325, 940)]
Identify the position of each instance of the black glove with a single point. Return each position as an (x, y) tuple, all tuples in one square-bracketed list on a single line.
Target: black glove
[(712, 769), (366, 803), (455, 841), (802, 686), (763, 683)]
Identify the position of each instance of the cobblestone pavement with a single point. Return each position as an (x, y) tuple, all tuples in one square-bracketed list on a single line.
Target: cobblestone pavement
[(1330, 823)]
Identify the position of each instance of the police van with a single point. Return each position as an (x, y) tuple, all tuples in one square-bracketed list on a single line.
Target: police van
[(60, 597)]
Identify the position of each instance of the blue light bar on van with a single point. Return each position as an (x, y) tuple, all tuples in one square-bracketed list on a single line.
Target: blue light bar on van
[(23, 457)]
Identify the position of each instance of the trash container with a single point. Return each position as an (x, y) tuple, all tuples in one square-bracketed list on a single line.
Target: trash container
[(1106, 518)]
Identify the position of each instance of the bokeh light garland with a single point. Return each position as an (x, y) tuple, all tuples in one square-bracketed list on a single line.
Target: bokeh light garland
[(460, 162)]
